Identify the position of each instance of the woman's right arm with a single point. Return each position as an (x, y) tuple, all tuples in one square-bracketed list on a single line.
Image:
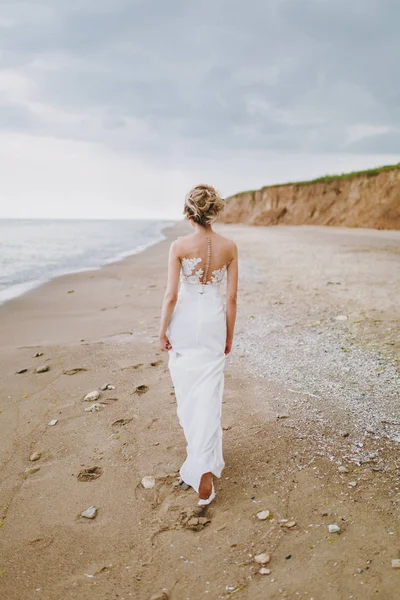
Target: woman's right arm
[(171, 295), (231, 299)]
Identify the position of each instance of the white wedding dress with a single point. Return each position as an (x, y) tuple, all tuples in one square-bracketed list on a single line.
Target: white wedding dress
[(197, 333)]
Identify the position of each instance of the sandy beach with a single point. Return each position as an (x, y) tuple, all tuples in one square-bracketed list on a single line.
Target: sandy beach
[(311, 421)]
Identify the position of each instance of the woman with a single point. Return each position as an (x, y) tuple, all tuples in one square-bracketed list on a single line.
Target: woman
[(197, 330)]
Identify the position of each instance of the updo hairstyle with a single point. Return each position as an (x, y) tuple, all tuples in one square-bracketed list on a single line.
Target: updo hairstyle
[(203, 205)]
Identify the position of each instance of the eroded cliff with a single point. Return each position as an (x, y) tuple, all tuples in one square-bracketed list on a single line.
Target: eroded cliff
[(367, 199)]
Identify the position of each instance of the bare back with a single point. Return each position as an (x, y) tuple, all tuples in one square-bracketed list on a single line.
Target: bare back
[(195, 249)]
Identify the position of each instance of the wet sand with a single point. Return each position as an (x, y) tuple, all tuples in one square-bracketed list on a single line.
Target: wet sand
[(306, 393)]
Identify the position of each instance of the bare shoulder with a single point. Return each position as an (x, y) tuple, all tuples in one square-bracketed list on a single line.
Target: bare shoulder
[(228, 244), (178, 245)]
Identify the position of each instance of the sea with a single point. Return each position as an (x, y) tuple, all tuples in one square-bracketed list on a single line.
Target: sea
[(33, 251)]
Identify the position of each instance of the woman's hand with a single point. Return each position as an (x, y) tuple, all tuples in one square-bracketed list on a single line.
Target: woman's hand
[(228, 346), (164, 342)]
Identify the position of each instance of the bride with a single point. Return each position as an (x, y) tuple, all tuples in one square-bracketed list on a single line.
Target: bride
[(197, 330)]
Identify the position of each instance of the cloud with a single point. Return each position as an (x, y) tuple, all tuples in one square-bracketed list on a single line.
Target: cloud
[(169, 82)]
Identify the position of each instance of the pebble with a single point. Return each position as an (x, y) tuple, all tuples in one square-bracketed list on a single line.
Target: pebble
[(262, 559), (35, 456), (42, 369), (341, 318), (107, 386), (289, 524), (20, 371), (95, 407), (352, 483), (89, 513), (160, 596), (264, 571), (148, 482), (52, 422), (334, 528), (396, 563), (95, 570), (37, 355), (343, 469), (92, 396), (32, 470), (263, 515)]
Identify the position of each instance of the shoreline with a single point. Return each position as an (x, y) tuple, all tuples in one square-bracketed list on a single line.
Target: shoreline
[(28, 286), (288, 449)]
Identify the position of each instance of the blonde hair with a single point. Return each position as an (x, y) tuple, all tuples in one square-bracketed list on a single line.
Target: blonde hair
[(203, 205)]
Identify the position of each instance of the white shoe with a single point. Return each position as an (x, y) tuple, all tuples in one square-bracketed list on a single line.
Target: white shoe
[(210, 498)]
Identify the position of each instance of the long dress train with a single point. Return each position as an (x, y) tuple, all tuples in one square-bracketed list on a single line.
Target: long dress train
[(197, 333)]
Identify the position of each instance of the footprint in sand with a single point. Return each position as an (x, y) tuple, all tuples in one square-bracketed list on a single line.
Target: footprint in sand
[(74, 371), (121, 422), (156, 363), (90, 474), (141, 389)]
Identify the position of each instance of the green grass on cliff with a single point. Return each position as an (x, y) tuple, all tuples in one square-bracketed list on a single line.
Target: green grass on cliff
[(328, 178)]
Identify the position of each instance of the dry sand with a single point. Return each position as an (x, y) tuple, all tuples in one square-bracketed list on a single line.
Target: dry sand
[(294, 411)]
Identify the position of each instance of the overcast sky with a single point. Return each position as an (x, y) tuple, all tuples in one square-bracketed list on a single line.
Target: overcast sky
[(114, 108)]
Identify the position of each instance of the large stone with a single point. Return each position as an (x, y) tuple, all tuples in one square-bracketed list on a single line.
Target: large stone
[(89, 513), (262, 559), (92, 396), (148, 482)]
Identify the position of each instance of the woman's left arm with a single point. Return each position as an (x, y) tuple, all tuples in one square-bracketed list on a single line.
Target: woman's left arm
[(171, 295)]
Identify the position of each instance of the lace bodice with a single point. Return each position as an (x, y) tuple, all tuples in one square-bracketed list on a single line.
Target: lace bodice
[(191, 274)]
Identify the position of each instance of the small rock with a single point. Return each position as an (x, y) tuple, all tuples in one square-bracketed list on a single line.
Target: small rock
[(352, 484), (95, 570), (264, 571), (289, 524), (160, 596), (92, 396), (345, 434), (111, 387), (341, 318), (35, 456), (263, 515), (396, 563), (42, 369), (37, 355), (148, 482), (32, 470), (95, 407), (262, 559), (20, 371), (343, 469), (104, 387), (52, 422), (282, 416), (333, 528), (89, 513)]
